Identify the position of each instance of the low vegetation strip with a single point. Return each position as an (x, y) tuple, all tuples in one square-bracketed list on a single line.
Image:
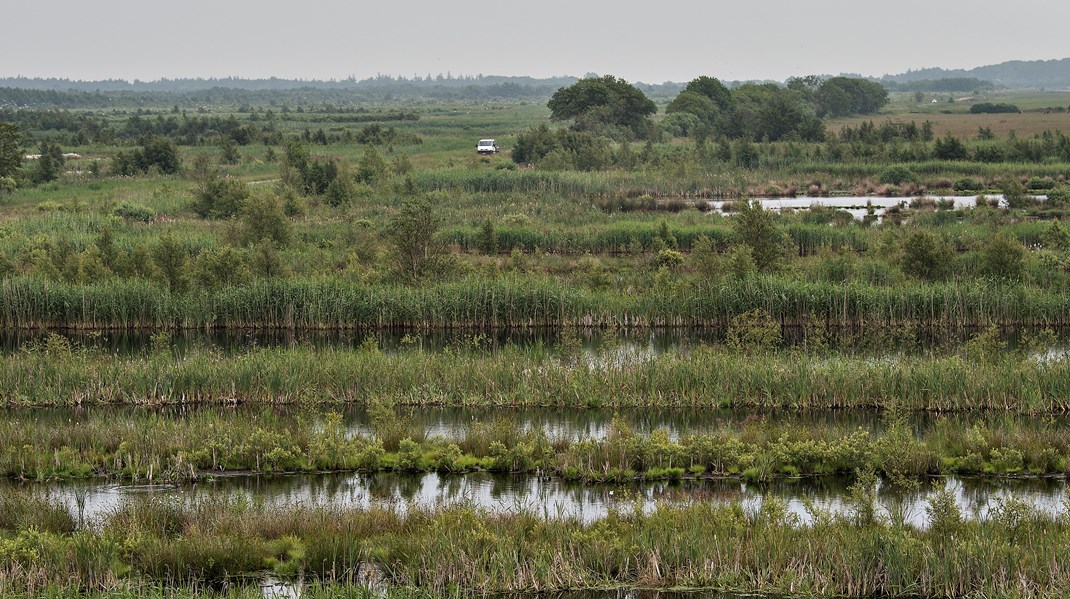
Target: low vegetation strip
[(143, 447), (508, 303), (704, 377), (458, 550)]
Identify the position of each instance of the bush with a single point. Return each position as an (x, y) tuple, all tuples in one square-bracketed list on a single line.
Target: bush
[(132, 211), (897, 175), (967, 184), (949, 148), (220, 198), (670, 259), (158, 153), (222, 267), (993, 108), (756, 228), (1004, 258), (340, 191), (926, 256), (755, 330), (264, 219), (1041, 183)]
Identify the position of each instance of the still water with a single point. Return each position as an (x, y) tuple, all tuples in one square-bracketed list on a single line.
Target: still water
[(556, 498)]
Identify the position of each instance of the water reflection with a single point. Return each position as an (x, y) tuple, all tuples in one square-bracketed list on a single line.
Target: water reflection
[(861, 206), (559, 424), (806, 500)]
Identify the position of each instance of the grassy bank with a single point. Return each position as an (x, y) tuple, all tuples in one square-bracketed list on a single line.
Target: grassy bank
[(151, 448), (1015, 552), (704, 377)]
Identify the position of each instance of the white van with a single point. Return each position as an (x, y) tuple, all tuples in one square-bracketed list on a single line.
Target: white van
[(487, 146)]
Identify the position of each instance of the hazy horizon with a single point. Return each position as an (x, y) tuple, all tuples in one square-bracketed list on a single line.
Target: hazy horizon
[(330, 39)]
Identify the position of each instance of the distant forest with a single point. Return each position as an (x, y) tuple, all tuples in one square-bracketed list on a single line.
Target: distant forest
[(65, 93), (1049, 74), (25, 92)]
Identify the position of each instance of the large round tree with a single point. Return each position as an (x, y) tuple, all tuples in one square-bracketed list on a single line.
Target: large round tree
[(599, 102)]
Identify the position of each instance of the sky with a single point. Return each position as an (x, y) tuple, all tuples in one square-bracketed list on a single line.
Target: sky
[(652, 42)]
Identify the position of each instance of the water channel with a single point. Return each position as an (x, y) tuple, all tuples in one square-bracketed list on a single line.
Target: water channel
[(805, 499)]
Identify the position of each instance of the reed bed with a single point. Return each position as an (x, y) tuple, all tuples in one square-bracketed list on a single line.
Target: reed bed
[(702, 378), (506, 303), (1015, 552), (160, 448)]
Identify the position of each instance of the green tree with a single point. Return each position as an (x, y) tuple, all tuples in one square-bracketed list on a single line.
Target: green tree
[(10, 156), (265, 261), (703, 258), (756, 227), (679, 124), (711, 88), (695, 104), (230, 153), (170, 257), (596, 102), (161, 153), (371, 167), (412, 233), (341, 191), (49, 165), (841, 96), (488, 238)]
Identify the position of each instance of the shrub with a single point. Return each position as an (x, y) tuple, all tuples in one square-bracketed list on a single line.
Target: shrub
[(220, 198), (340, 191), (263, 218), (897, 175), (993, 108), (670, 259), (1004, 258), (222, 267), (755, 330), (949, 148), (756, 227), (1041, 183), (132, 211), (488, 239), (967, 184), (925, 256)]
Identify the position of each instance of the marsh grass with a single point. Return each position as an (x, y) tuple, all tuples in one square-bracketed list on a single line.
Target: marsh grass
[(509, 303), (704, 376), (452, 549), (150, 448)]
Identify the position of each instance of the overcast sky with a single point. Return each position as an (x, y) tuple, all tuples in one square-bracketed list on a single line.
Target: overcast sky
[(649, 41)]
